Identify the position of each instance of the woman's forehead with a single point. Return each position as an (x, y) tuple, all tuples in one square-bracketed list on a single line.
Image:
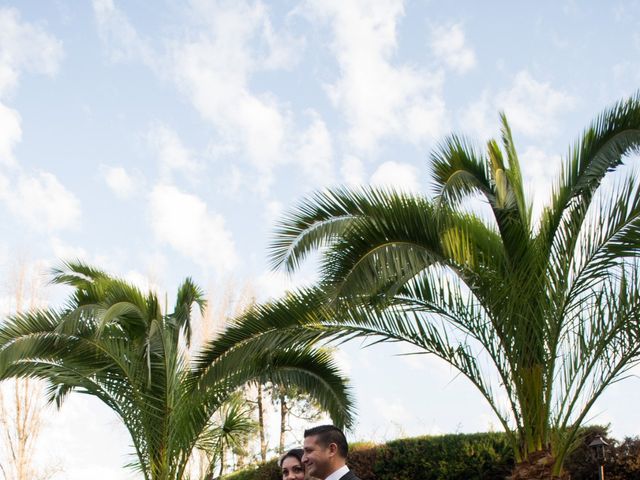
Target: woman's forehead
[(290, 461)]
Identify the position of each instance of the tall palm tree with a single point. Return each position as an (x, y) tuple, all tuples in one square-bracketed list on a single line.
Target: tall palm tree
[(114, 342), (540, 314)]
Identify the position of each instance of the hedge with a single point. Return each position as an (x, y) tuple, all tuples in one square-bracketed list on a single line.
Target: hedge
[(477, 456)]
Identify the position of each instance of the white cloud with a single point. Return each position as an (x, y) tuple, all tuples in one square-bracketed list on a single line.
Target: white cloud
[(233, 181), (119, 181), (272, 285), (315, 153), (532, 107), (213, 68), (212, 63), (283, 50), (184, 222), (401, 176), (481, 118), (66, 252), (40, 201), (540, 170), (352, 171), (156, 265), (171, 152), (10, 134), (392, 411), (273, 211), (342, 360), (110, 261), (24, 46), (141, 280), (118, 36), (378, 98), (448, 44)]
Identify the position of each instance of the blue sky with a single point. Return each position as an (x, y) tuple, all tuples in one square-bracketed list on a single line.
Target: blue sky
[(163, 139)]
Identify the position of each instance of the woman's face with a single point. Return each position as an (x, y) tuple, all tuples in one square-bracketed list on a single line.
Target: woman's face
[(292, 469)]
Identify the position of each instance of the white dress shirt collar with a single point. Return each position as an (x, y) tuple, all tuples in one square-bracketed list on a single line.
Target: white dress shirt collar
[(338, 474)]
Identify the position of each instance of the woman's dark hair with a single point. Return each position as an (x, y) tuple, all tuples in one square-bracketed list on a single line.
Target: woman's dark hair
[(294, 452)]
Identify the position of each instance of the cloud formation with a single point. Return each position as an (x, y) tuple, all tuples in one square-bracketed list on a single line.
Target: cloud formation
[(40, 201), (23, 48), (171, 153), (184, 222), (449, 45), (379, 99), (396, 175), (532, 108), (314, 152), (213, 67), (119, 38), (119, 181), (37, 199), (10, 134), (352, 171)]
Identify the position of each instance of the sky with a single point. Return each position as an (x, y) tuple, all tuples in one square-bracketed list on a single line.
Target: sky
[(161, 140)]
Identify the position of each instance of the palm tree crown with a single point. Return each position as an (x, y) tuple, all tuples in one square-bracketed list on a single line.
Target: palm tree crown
[(114, 342), (543, 312)]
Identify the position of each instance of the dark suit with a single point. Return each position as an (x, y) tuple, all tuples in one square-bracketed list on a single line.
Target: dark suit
[(349, 476)]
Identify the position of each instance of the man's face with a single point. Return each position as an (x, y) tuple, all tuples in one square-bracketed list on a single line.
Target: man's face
[(317, 458)]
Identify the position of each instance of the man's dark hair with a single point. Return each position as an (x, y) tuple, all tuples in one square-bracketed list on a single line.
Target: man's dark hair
[(328, 434)]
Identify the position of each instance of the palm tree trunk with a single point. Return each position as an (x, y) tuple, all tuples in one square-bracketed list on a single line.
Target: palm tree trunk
[(263, 442), (537, 466), (284, 411), (223, 454)]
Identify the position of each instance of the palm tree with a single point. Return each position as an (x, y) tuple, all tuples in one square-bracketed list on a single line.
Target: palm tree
[(115, 343), (543, 312)]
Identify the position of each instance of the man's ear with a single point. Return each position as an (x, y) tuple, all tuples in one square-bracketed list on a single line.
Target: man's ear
[(333, 449)]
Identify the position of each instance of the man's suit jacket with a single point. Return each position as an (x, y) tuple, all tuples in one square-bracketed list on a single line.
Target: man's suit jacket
[(349, 476)]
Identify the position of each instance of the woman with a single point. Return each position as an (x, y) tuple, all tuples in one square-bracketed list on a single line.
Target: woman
[(291, 465)]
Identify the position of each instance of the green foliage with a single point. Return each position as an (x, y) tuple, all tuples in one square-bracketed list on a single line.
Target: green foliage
[(263, 471), (482, 456)]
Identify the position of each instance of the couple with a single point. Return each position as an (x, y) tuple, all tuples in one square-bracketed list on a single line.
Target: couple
[(323, 456)]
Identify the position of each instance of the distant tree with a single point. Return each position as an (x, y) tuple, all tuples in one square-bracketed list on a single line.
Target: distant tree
[(226, 300), (289, 402), (622, 458), (21, 400)]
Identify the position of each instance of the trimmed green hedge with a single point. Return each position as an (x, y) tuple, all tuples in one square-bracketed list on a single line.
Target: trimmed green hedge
[(476, 456), (485, 456)]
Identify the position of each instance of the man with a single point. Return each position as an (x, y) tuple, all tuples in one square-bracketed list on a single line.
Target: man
[(325, 454)]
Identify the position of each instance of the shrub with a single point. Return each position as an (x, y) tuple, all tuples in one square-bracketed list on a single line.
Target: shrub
[(623, 458), (476, 456), (484, 456)]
